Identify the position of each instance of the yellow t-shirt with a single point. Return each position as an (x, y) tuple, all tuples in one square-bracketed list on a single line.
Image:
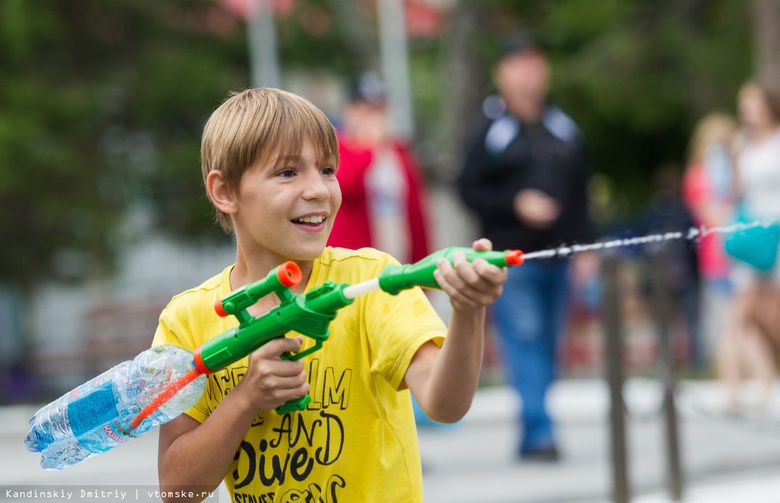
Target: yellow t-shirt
[(356, 442)]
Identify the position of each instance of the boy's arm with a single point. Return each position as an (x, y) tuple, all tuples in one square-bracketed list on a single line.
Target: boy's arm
[(443, 380), (196, 457)]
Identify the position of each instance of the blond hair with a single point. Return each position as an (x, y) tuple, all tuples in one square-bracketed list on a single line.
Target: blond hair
[(260, 126), (712, 128)]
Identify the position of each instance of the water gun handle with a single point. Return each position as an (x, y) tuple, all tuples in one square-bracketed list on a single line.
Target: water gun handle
[(294, 405), (395, 278), (308, 314)]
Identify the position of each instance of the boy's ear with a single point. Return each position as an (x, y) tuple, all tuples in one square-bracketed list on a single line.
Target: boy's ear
[(221, 196)]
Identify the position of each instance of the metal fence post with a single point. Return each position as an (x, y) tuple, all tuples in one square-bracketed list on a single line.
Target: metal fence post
[(661, 310), (613, 326)]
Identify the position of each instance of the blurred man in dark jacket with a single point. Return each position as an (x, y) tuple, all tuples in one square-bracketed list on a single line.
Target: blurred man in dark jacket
[(524, 175)]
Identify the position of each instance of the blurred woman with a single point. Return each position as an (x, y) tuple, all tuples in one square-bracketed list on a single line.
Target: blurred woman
[(746, 348), (707, 192)]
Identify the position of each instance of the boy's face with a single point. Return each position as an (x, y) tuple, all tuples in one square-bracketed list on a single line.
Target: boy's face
[(287, 208)]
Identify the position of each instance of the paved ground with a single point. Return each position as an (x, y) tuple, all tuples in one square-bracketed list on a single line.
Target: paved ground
[(725, 459)]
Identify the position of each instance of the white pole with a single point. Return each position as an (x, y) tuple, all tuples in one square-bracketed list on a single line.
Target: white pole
[(263, 62), (395, 67)]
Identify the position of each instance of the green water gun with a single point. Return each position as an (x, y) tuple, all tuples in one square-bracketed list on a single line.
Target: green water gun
[(395, 278), (104, 412), (308, 314)]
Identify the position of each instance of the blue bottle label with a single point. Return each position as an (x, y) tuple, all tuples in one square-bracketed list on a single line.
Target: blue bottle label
[(92, 410)]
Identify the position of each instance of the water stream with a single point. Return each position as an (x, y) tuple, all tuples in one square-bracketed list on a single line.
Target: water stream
[(692, 234), (563, 251)]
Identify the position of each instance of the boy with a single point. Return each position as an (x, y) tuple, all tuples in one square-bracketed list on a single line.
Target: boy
[(269, 161)]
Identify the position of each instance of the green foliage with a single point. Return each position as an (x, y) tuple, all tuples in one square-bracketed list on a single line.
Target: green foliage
[(635, 75), (103, 101), (102, 105), (311, 37), (640, 74)]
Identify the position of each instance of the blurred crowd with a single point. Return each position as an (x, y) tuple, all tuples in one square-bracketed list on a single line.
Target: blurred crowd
[(524, 175)]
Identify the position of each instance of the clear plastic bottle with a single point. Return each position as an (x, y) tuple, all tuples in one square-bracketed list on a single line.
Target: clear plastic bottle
[(96, 416)]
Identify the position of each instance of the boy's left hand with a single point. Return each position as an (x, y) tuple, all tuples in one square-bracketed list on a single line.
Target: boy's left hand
[(471, 286)]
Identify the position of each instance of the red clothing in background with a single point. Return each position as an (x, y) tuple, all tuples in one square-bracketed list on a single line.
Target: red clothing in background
[(697, 194), (352, 227)]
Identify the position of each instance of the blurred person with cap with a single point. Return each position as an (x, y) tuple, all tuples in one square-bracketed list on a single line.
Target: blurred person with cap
[(381, 181), (524, 175)]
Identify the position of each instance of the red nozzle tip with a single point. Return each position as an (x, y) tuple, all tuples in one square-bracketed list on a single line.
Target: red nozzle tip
[(289, 274), (514, 257), (219, 309)]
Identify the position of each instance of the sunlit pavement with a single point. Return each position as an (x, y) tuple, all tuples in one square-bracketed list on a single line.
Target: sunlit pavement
[(725, 458)]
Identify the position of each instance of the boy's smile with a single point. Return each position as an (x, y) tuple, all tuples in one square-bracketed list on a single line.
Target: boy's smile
[(286, 207), (311, 223)]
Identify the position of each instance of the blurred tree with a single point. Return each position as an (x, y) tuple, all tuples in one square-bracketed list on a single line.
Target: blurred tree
[(101, 106), (765, 17), (634, 74), (103, 101), (639, 76), (359, 36)]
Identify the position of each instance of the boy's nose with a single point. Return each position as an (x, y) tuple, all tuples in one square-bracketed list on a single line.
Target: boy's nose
[(316, 188)]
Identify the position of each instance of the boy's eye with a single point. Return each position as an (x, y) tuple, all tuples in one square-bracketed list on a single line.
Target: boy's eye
[(286, 173), (328, 170)]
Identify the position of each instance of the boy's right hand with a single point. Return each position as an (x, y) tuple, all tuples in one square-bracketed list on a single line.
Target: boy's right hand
[(271, 381)]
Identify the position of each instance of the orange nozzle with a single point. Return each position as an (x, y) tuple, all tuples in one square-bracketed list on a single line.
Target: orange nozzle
[(289, 274), (219, 309), (514, 257)]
